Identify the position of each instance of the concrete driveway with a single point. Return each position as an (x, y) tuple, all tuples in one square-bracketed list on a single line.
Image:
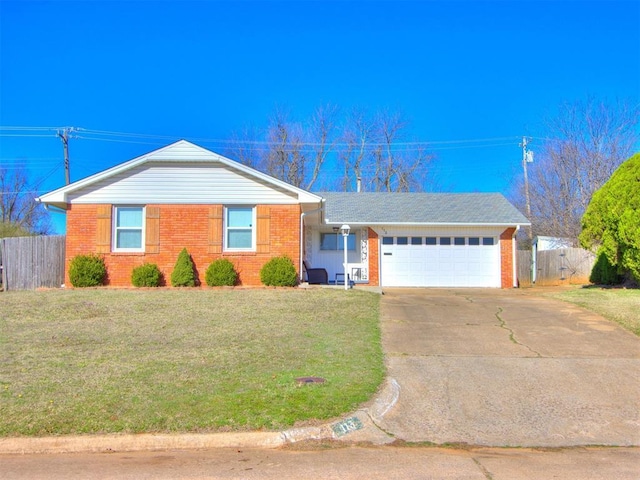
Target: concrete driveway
[(508, 368)]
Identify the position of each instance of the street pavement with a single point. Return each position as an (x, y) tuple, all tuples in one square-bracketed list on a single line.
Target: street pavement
[(475, 369), (388, 463)]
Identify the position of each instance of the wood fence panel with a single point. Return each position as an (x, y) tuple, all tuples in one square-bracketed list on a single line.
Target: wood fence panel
[(32, 262), (565, 266), (523, 259)]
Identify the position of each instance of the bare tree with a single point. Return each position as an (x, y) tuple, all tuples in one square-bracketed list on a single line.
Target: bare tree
[(19, 212), (588, 141), (399, 166), (245, 147), (387, 174), (285, 158), (376, 151), (369, 150), (358, 133), (321, 136)]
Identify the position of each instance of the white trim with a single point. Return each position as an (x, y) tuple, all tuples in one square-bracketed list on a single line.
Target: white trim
[(303, 237), (425, 224), (254, 228), (514, 247), (114, 229)]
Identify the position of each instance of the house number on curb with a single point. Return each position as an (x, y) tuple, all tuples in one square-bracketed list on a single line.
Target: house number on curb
[(346, 426)]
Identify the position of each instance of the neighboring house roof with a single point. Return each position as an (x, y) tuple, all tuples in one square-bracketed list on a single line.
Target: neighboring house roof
[(551, 243), (382, 208), (182, 172)]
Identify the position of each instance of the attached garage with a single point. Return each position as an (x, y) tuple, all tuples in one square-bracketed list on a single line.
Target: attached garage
[(422, 239), (440, 260)]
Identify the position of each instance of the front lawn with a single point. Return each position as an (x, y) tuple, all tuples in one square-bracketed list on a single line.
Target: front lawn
[(617, 304), (196, 360)]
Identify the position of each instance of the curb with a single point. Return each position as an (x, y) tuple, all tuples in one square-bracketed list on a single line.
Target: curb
[(358, 427), (139, 442)]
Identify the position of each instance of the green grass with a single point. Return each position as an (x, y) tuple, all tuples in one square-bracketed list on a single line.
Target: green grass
[(188, 360), (617, 304)]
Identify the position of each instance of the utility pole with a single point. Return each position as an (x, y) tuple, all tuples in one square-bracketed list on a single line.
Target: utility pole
[(64, 136), (527, 157)]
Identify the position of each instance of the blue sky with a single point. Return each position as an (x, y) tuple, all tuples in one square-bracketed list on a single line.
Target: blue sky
[(472, 77)]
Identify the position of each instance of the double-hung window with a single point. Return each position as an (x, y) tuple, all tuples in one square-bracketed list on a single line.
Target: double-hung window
[(128, 229), (239, 232)]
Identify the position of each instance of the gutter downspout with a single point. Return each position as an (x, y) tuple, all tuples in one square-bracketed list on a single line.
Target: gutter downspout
[(302, 215), (50, 208), (515, 257), (534, 262)]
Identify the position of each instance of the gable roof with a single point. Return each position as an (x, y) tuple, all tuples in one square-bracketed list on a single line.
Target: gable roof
[(383, 208), (179, 153)]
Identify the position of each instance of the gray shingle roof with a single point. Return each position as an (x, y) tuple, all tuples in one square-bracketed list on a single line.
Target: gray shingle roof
[(420, 208)]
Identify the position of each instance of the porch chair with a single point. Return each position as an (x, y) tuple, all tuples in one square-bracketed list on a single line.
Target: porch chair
[(316, 276)]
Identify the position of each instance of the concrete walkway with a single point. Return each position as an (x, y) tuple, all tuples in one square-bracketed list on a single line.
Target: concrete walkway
[(507, 368)]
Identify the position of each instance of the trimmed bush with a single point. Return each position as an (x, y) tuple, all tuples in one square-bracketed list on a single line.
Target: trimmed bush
[(279, 272), (603, 273), (146, 275), (183, 274), (221, 273), (87, 271)]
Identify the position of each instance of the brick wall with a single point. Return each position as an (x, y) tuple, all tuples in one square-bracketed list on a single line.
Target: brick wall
[(183, 226), (374, 259), (506, 258)]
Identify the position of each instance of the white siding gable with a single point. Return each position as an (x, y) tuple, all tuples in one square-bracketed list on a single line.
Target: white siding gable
[(182, 183), (181, 173)]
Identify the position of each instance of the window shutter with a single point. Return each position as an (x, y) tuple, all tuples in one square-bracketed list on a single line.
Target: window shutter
[(152, 233), (264, 226), (215, 229), (103, 229)]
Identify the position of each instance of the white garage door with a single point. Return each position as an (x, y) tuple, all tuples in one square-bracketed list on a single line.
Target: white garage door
[(442, 261)]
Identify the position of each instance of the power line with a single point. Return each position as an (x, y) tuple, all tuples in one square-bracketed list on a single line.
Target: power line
[(24, 135), (5, 127), (85, 131), (92, 134)]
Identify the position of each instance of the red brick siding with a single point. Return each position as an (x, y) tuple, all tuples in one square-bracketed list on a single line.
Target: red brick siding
[(506, 258), (374, 259), (184, 226)]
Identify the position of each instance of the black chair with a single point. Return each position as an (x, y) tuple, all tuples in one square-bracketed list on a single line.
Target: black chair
[(316, 276)]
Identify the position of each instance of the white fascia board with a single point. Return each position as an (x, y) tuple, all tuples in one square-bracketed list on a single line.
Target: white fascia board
[(423, 224), (59, 197)]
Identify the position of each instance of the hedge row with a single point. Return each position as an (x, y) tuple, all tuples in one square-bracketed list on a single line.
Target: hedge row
[(90, 271)]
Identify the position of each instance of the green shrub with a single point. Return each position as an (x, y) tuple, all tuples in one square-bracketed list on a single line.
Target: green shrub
[(279, 272), (603, 272), (87, 271), (220, 273), (146, 275), (183, 274)]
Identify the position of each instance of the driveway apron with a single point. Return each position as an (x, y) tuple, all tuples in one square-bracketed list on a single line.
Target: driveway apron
[(508, 368)]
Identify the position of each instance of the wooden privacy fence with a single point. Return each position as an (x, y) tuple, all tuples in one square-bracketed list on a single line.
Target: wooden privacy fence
[(564, 266), (32, 262), (523, 264)]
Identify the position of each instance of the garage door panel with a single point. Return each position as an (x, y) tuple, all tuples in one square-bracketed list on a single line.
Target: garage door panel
[(427, 265)]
